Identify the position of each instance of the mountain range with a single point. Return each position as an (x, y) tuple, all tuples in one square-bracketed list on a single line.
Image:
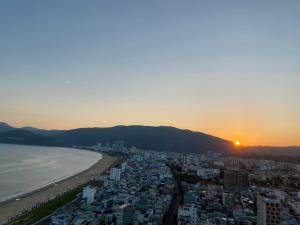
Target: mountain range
[(162, 138)]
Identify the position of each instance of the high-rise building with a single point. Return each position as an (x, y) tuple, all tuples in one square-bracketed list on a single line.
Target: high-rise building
[(89, 193), (115, 174), (124, 167), (236, 179), (268, 210), (124, 214)]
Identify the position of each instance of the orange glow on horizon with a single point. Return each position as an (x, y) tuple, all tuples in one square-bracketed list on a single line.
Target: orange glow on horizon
[(226, 130), (237, 143)]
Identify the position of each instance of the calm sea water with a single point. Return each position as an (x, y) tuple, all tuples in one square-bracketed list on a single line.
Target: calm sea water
[(26, 168)]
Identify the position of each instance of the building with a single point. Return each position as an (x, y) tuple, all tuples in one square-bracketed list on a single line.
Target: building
[(115, 174), (123, 166), (61, 219), (236, 179), (124, 214), (187, 215), (228, 200), (89, 194), (268, 210), (294, 206), (207, 173)]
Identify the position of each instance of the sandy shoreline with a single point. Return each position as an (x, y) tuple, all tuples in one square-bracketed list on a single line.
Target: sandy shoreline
[(12, 207)]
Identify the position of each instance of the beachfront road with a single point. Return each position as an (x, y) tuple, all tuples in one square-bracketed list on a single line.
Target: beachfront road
[(47, 220)]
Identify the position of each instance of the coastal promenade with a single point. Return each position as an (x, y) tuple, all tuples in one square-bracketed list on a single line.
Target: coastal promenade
[(31, 200)]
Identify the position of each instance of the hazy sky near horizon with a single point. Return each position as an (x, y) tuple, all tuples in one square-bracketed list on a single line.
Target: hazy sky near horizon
[(228, 68)]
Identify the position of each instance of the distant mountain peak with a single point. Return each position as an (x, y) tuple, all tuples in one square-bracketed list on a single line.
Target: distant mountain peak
[(4, 124), (5, 127), (160, 138)]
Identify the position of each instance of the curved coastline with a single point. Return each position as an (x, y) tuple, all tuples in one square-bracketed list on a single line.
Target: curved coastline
[(51, 182), (28, 200)]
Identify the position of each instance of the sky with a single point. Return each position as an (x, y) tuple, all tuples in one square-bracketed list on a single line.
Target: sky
[(227, 68)]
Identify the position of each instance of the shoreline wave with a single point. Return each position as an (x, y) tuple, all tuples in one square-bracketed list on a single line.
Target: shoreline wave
[(14, 196)]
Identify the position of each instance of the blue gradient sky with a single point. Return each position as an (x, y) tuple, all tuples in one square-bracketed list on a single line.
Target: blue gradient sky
[(228, 68)]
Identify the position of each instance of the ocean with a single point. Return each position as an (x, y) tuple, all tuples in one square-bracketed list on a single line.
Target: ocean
[(25, 168)]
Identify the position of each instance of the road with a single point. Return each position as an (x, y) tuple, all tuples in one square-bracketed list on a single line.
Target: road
[(47, 220), (171, 216)]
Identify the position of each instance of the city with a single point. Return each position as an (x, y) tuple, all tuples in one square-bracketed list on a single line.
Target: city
[(143, 112), (213, 190)]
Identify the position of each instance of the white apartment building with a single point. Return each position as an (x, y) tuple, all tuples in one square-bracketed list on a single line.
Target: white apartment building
[(89, 193), (115, 174), (187, 215), (123, 166), (268, 210), (207, 173)]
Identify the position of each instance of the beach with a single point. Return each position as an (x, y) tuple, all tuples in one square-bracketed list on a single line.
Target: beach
[(16, 206)]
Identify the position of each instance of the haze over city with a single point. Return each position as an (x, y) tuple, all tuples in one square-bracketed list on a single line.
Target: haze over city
[(229, 69)]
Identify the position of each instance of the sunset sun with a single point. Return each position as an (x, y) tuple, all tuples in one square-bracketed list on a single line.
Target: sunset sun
[(237, 143)]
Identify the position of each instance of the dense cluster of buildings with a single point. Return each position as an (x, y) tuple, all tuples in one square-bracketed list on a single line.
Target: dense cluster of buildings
[(139, 191), (215, 190), (236, 191)]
